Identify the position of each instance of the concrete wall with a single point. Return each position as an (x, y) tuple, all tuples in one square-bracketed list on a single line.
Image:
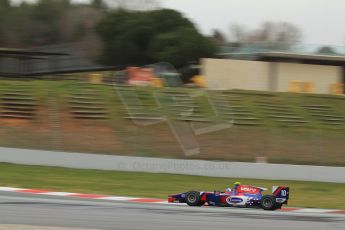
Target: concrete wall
[(321, 76), (235, 74), (257, 75), (175, 166)]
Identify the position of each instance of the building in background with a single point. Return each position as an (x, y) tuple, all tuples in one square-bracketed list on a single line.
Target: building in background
[(46, 60), (278, 71)]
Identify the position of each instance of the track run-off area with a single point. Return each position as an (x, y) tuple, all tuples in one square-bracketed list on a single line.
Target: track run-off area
[(30, 209)]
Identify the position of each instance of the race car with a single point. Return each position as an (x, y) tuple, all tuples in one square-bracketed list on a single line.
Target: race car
[(240, 196)]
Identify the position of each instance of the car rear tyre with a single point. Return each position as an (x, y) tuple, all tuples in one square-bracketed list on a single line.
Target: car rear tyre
[(193, 198), (268, 202), (278, 206)]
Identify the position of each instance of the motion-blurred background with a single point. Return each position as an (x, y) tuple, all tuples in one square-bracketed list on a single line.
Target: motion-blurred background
[(76, 74)]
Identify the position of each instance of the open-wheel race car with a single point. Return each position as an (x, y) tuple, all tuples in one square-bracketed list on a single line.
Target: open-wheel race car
[(239, 196)]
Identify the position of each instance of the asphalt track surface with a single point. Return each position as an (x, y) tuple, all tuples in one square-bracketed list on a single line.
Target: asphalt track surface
[(70, 213)]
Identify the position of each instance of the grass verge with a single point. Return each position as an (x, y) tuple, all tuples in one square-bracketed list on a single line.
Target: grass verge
[(277, 126), (156, 185)]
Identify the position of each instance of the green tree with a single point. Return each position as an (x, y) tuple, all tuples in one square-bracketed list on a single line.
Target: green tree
[(4, 4), (45, 21), (99, 4), (180, 47), (219, 37), (326, 50), (123, 36), (4, 8), (138, 38)]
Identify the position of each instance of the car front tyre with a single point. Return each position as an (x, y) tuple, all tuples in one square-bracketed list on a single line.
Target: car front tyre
[(193, 198)]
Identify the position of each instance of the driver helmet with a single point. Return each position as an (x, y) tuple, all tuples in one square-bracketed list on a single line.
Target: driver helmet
[(236, 184)]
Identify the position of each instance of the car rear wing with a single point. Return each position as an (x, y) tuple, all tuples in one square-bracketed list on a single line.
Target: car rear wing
[(281, 193)]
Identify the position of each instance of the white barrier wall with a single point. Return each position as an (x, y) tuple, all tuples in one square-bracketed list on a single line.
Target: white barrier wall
[(175, 166)]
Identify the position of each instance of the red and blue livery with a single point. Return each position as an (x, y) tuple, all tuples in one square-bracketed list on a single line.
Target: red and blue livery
[(239, 196)]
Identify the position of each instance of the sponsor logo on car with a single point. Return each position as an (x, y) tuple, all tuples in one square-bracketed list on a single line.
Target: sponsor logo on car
[(236, 200), (280, 200), (248, 189)]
